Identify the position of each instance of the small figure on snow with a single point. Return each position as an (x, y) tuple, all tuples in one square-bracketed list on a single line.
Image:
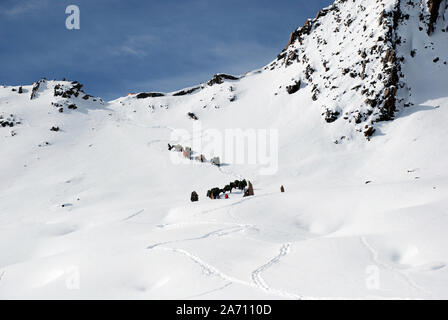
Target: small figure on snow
[(215, 161), (250, 191), (194, 196)]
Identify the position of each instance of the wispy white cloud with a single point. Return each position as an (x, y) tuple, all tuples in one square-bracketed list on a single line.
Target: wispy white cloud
[(19, 8), (241, 57), (171, 82), (234, 58), (136, 45)]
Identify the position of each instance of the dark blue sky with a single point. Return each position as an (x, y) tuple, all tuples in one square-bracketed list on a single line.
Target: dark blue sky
[(142, 45)]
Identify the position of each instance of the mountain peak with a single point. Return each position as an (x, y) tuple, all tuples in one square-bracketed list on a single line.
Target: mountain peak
[(353, 52)]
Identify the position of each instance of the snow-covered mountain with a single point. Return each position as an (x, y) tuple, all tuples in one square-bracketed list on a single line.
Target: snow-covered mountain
[(94, 205), (363, 60)]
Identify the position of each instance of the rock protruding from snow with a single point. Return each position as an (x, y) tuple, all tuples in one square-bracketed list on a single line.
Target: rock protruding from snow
[(36, 87), (220, 77), (351, 55), (433, 8)]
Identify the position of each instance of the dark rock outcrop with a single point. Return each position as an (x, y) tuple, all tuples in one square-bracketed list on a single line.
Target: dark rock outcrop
[(10, 121), (144, 95), (433, 7), (331, 115), (68, 91), (369, 132), (192, 116), (300, 32), (185, 92), (294, 87), (220, 77), (36, 87)]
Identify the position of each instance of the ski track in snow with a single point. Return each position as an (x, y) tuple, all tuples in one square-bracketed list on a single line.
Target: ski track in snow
[(225, 206), (209, 270), (261, 283), (228, 284), (257, 280), (187, 223), (130, 122), (218, 233), (134, 215), (150, 143), (376, 260), (229, 206), (231, 173)]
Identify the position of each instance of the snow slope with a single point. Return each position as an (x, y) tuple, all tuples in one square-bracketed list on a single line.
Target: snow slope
[(101, 208)]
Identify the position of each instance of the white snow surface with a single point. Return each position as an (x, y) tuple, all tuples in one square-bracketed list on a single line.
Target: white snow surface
[(98, 210)]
